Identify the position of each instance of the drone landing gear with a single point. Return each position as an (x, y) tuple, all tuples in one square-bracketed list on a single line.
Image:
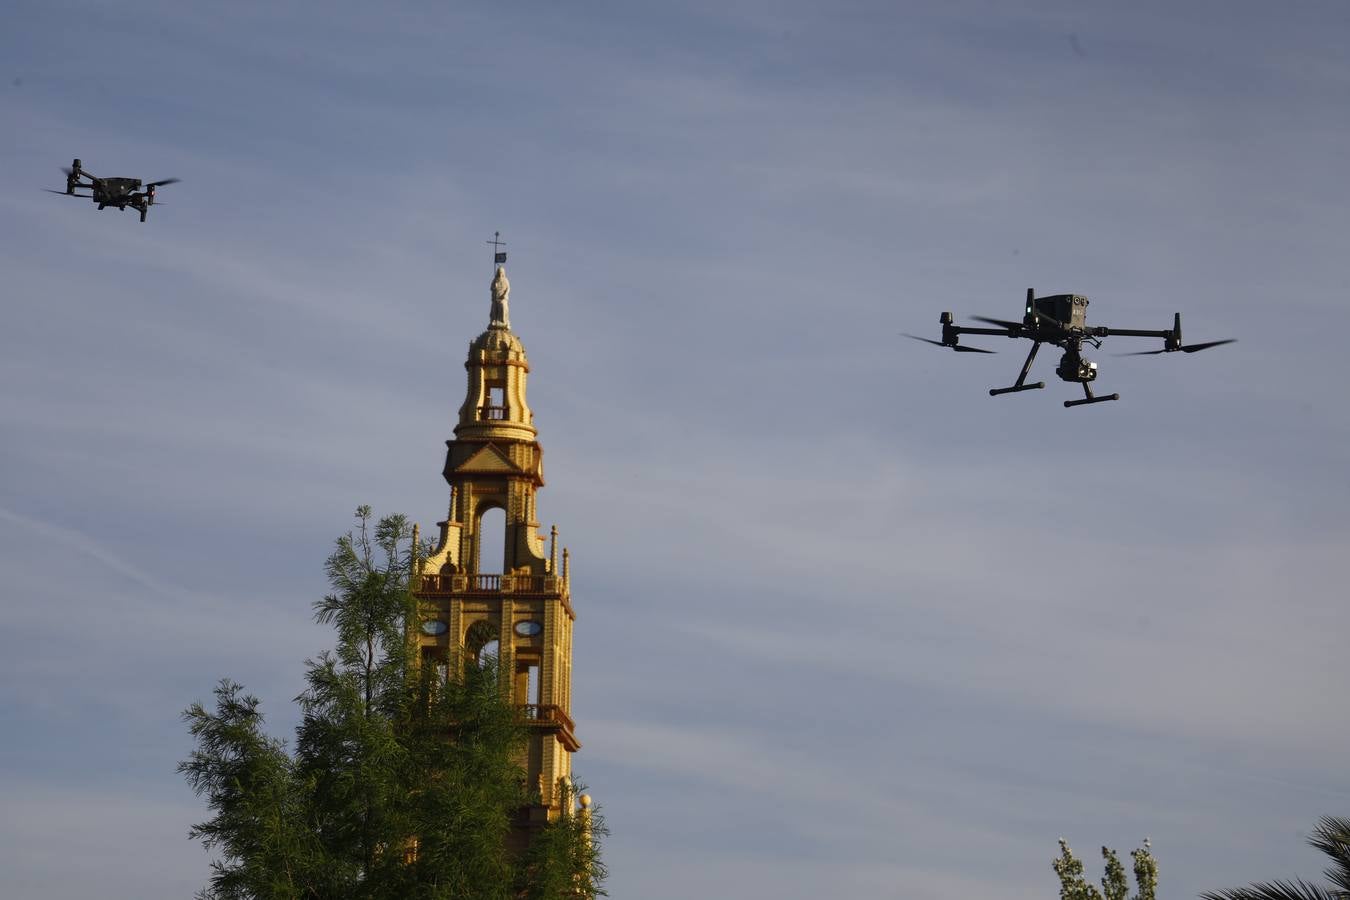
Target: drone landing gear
[(1021, 384), (1089, 398), (1036, 386)]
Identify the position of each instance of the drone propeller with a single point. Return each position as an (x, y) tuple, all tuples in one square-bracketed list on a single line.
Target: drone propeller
[(64, 194), (150, 190), (1190, 348), (957, 347), (1001, 323), (1205, 346)]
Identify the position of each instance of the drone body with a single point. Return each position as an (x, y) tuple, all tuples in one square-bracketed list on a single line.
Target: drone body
[(1060, 320), (118, 192)]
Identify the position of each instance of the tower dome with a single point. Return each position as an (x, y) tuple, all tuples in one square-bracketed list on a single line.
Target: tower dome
[(494, 404), (499, 340)]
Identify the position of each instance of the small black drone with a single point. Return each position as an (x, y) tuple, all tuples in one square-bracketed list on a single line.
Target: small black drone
[(1061, 320), (118, 192)]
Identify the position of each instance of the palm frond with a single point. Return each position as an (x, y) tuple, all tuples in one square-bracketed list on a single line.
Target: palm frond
[(1298, 889), (1332, 837)]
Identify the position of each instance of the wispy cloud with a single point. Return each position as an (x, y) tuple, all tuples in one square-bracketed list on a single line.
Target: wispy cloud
[(849, 623)]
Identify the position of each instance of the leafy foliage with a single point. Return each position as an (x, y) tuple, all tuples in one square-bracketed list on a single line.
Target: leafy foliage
[(403, 781), (259, 828), (564, 858), (1332, 836), (1115, 883)]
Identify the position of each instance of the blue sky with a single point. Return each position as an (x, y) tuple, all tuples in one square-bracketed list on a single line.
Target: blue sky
[(848, 626)]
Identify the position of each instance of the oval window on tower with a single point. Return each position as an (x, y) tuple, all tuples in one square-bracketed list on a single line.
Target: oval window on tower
[(434, 627), (529, 629)]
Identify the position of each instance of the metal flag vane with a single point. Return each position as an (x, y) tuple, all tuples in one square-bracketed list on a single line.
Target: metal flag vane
[(498, 254)]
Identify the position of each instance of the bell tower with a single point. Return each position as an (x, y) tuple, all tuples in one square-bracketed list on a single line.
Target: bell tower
[(521, 602)]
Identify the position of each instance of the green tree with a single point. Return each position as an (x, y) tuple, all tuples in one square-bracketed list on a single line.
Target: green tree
[(564, 857), (1332, 836), (1115, 883), (259, 829), (402, 783)]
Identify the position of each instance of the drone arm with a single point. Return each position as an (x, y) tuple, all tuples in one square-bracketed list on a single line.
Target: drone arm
[(1172, 335), (951, 333), (1171, 339), (966, 329), (1102, 331)]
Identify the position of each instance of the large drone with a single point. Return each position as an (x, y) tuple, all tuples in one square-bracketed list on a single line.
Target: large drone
[(118, 192), (1060, 320)]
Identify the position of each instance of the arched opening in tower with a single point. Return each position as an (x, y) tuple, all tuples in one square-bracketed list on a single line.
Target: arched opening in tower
[(488, 653), (494, 410), (492, 542), (526, 688), (482, 643), (532, 684)]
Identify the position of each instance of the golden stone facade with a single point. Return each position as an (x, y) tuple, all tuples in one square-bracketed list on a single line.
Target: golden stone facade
[(523, 601)]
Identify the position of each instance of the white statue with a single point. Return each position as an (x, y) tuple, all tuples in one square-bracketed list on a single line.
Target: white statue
[(501, 291)]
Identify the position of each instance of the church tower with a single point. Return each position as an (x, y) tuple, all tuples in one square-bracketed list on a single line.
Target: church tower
[(519, 604)]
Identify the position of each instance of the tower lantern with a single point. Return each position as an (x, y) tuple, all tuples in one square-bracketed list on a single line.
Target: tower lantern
[(521, 602)]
